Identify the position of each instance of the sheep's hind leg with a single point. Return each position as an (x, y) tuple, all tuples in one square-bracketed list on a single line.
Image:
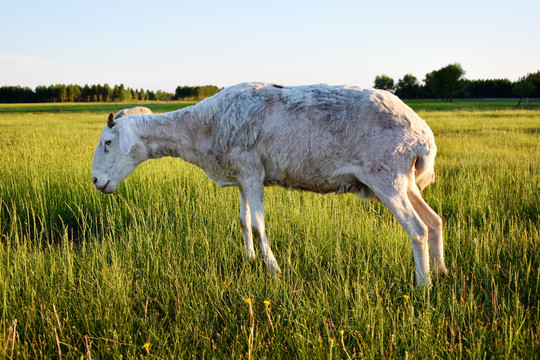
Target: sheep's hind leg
[(434, 225), (254, 192), (395, 198), (245, 221)]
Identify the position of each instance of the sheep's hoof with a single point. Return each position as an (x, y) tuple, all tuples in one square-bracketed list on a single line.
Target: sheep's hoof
[(423, 284), (274, 270), (442, 270), (439, 267), (249, 258)]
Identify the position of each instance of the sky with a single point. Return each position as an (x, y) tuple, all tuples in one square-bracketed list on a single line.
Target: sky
[(159, 45)]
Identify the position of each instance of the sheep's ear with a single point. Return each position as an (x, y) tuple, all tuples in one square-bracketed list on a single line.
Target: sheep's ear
[(126, 140), (110, 120)]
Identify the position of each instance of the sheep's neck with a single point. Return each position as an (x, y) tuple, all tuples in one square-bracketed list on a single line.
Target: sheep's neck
[(175, 134)]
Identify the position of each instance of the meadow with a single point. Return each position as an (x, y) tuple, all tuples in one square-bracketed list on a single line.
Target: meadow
[(156, 270)]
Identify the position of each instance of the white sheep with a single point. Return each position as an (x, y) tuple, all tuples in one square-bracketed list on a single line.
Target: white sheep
[(138, 110), (319, 138)]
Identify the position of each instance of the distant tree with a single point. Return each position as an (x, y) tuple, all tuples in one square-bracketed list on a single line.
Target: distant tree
[(491, 88), (384, 82), (85, 93), (120, 93), (523, 88), (73, 92), (124, 94), (195, 92), (115, 93), (207, 91), (106, 92), (446, 82), (95, 93), (16, 94), (52, 91), (184, 92), (142, 95), (535, 79), (42, 94), (501, 87), (61, 91), (128, 94), (407, 87), (70, 93), (163, 96)]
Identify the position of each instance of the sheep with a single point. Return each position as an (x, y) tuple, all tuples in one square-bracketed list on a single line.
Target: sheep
[(138, 110), (320, 138)]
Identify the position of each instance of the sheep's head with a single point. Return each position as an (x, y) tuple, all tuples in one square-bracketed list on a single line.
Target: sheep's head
[(117, 154)]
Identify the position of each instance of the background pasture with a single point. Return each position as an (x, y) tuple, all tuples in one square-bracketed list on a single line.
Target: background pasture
[(156, 270)]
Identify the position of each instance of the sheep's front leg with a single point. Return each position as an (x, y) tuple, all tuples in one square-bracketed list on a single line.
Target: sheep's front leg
[(254, 192), (245, 221)]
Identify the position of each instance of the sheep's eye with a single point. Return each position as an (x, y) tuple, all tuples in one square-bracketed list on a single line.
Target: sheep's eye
[(106, 147)]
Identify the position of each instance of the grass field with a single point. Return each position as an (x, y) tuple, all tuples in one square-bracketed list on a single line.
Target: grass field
[(471, 104), (163, 106), (156, 270), (103, 108)]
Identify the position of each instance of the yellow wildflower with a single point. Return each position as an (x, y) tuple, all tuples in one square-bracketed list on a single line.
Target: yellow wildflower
[(266, 303), (406, 297), (248, 301), (145, 346)]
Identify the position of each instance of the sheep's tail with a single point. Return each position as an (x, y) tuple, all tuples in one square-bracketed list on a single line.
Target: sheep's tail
[(423, 170)]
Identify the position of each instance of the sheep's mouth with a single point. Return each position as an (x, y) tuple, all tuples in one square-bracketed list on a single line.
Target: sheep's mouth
[(104, 188)]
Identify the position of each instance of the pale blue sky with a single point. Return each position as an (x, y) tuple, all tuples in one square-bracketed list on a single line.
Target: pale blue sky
[(159, 45)]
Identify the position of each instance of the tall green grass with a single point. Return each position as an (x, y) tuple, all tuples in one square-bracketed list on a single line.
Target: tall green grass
[(156, 270)]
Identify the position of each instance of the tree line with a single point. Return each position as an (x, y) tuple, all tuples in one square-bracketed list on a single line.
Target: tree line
[(446, 83), (449, 82), (99, 93), (196, 92)]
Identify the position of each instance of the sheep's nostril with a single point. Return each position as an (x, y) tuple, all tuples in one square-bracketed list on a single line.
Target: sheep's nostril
[(94, 180)]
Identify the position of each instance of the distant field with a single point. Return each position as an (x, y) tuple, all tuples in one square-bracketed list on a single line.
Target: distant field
[(471, 104), (161, 106), (156, 106), (156, 270)]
